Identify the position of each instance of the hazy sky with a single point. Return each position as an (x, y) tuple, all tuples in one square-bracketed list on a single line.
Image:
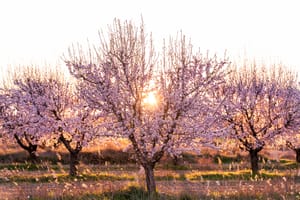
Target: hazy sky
[(38, 31)]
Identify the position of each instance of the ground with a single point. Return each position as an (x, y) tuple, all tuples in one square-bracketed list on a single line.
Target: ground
[(109, 170)]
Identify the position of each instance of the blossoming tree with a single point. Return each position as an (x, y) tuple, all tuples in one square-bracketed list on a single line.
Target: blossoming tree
[(291, 136), (41, 108), (257, 106), (22, 110), (121, 76), (72, 122)]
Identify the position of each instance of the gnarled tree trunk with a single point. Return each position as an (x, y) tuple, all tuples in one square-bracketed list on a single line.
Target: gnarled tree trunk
[(32, 153), (254, 160), (74, 159), (150, 181), (30, 148), (294, 148), (175, 159), (297, 151)]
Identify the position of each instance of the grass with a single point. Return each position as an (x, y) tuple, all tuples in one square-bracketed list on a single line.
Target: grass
[(115, 165), (288, 163), (64, 177), (29, 166), (175, 167), (236, 175), (138, 193), (162, 176), (131, 193), (222, 159), (112, 156)]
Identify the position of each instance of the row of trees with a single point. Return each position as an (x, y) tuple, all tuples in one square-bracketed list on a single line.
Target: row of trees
[(199, 100)]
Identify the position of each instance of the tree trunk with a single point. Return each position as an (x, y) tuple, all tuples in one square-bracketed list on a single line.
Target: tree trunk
[(150, 181), (254, 161), (175, 160), (297, 150), (74, 152), (30, 148), (74, 161), (32, 153)]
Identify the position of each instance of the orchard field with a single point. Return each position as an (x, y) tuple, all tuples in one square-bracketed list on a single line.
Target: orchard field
[(123, 119), (106, 171)]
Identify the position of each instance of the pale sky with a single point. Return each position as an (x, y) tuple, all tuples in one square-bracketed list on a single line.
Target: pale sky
[(40, 31)]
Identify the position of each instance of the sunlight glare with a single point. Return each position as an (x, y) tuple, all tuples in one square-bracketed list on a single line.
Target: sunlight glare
[(150, 99)]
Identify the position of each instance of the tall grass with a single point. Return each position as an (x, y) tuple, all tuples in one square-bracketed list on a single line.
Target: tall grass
[(194, 176), (137, 193)]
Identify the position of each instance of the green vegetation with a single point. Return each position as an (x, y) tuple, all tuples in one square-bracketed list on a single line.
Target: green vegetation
[(187, 176), (236, 175), (137, 193), (131, 193), (112, 156), (219, 159), (216, 169), (65, 177), (29, 166), (288, 163), (175, 167)]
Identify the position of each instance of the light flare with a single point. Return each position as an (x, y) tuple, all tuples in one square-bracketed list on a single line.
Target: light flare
[(150, 99)]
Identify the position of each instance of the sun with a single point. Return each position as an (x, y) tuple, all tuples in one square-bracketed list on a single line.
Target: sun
[(150, 99)]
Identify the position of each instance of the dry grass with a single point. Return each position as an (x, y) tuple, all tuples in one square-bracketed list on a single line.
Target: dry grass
[(110, 181), (269, 189), (107, 172)]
